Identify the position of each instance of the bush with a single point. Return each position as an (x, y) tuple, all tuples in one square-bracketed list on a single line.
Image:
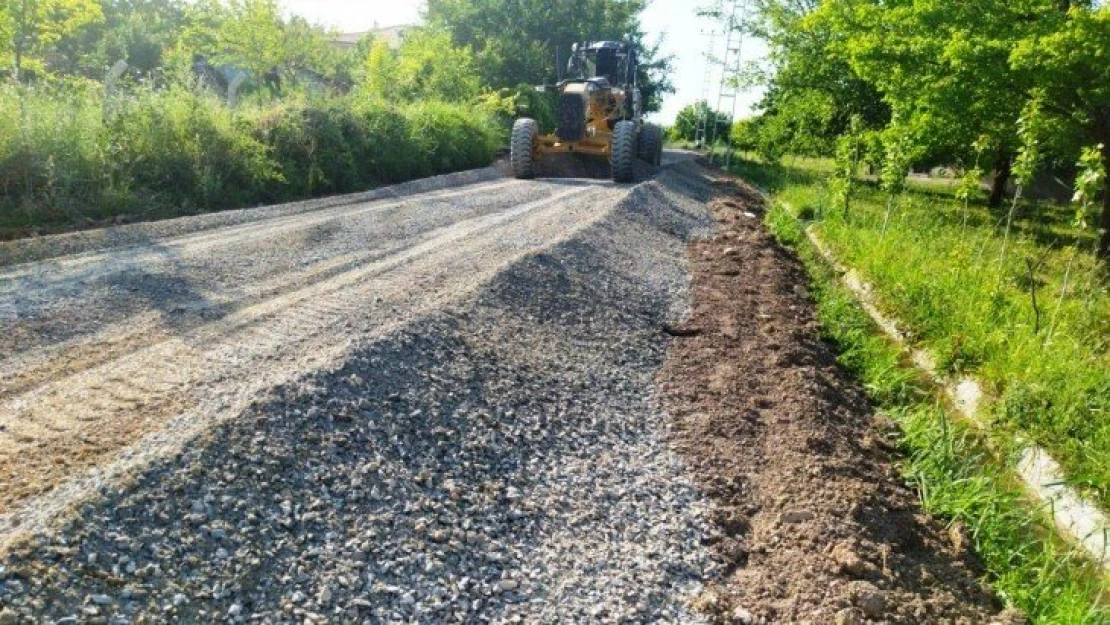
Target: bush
[(66, 159), (186, 151), (52, 153)]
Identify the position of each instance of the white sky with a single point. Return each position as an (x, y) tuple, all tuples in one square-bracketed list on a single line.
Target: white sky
[(676, 20)]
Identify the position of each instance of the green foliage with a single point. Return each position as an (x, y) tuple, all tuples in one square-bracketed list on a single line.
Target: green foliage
[(51, 151), (254, 36), (689, 118), (136, 31), (897, 154), (29, 27), (849, 152), (163, 143), (1065, 56), (951, 464), (1029, 134), (427, 66), (516, 41), (177, 148), (951, 73), (1089, 182), (813, 93), (508, 105), (176, 151)]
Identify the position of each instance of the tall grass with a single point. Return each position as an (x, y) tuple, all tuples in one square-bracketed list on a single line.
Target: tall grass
[(67, 157), (1047, 366), (957, 476)]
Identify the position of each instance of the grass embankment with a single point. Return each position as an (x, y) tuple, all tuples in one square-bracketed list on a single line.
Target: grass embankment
[(1032, 325), (69, 158), (948, 461)]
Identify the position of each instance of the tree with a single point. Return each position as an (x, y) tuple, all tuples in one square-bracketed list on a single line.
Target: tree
[(956, 75), (427, 66), (517, 41), (137, 31), (689, 118), (29, 27), (1067, 58), (943, 68), (252, 35), (813, 93)]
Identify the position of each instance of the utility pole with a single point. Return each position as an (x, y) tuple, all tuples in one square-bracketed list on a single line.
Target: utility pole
[(701, 133), (730, 72)]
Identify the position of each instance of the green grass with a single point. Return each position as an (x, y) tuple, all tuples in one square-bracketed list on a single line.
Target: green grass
[(950, 464), (1048, 372), (67, 158)]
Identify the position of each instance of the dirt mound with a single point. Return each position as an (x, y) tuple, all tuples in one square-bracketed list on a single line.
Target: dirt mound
[(818, 526)]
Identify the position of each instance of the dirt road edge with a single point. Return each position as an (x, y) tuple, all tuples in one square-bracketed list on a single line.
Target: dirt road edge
[(818, 525)]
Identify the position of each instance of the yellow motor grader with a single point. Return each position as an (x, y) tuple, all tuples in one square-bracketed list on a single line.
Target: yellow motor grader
[(599, 113)]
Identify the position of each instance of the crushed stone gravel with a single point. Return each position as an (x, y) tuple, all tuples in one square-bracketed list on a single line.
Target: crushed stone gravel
[(501, 459)]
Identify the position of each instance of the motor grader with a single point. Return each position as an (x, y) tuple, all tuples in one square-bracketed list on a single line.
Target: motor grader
[(599, 113)]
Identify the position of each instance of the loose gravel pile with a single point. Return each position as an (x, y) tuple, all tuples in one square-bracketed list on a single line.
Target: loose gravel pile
[(499, 460)]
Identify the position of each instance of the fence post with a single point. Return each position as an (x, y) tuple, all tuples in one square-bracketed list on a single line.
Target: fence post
[(233, 89), (110, 80)]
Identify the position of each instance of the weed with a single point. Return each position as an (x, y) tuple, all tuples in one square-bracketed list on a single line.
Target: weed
[(949, 463), (1035, 329), (66, 159)]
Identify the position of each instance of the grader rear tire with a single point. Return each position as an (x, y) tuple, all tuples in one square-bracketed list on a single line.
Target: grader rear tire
[(522, 148), (623, 151), (651, 144)]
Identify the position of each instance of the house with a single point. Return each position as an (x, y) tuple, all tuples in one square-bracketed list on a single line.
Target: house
[(392, 35)]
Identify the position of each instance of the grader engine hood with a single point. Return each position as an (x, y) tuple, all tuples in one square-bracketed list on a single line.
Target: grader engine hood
[(587, 107)]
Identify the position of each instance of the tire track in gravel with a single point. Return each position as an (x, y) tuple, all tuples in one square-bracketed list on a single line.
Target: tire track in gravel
[(501, 459), (98, 298), (239, 234), (157, 390), (25, 371)]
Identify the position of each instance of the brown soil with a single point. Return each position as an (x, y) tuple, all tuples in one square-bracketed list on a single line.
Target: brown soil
[(816, 524)]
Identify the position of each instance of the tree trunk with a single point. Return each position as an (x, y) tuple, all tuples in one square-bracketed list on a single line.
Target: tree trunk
[(1104, 221), (999, 178)]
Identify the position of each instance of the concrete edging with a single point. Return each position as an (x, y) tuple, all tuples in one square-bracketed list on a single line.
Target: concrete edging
[(1077, 520)]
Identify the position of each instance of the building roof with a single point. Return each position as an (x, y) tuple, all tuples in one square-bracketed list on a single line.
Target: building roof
[(392, 35)]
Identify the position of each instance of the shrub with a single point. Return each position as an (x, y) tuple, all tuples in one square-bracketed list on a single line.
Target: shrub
[(65, 158)]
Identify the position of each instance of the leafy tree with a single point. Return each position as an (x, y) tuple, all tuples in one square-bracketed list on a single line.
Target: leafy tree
[(942, 67), (137, 31), (253, 35), (812, 91), (427, 66), (956, 75), (689, 118), (29, 27), (516, 41), (1066, 56)]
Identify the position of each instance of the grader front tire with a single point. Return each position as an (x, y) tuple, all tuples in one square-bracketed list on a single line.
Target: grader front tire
[(522, 148)]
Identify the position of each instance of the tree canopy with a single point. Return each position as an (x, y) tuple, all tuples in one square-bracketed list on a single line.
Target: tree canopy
[(516, 41), (687, 121), (951, 80), (29, 27)]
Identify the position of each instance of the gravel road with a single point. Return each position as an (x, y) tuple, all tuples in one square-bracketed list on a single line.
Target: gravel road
[(428, 403)]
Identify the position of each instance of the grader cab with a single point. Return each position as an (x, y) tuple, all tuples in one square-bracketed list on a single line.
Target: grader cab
[(599, 114)]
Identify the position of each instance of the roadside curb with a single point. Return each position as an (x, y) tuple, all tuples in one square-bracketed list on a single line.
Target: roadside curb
[(1077, 520)]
